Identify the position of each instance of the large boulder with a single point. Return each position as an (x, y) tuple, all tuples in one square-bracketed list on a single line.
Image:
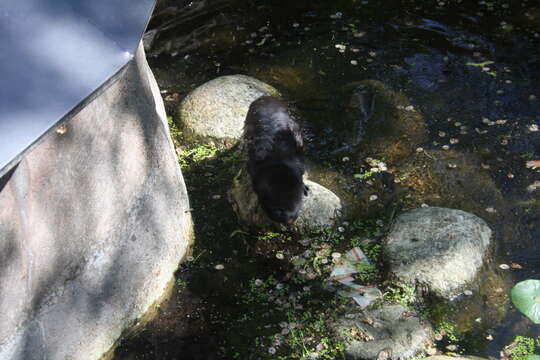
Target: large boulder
[(440, 248), (391, 330), (93, 223), (215, 111), (320, 210)]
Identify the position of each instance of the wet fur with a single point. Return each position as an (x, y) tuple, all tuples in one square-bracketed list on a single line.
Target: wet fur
[(275, 159)]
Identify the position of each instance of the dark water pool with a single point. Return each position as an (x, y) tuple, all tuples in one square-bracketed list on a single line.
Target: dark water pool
[(471, 68)]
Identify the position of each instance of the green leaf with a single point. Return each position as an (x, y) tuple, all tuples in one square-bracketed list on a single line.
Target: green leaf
[(482, 64), (526, 297)]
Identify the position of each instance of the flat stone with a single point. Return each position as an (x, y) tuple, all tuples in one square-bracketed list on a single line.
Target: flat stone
[(388, 329)]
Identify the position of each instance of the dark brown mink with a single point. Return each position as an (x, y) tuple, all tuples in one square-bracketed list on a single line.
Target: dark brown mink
[(275, 159)]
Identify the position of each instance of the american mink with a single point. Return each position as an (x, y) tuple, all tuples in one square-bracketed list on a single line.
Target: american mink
[(275, 159)]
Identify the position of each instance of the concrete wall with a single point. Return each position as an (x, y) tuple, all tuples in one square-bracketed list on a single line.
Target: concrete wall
[(93, 223)]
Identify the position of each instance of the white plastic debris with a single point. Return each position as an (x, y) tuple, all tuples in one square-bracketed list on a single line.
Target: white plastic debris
[(343, 273)]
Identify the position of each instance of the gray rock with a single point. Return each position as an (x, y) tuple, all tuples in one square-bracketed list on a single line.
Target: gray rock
[(321, 207), (216, 110), (440, 248), (445, 357), (390, 328), (93, 223)]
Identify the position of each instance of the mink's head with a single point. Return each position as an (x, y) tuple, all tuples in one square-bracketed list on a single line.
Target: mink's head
[(280, 190)]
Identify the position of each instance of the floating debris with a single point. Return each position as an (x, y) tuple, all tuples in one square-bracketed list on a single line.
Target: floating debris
[(534, 186), (504, 266), (343, 273), (219, 267), (532, 164), (373, 197)]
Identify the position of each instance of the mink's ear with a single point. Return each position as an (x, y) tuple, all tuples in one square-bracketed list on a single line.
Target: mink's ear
[(297, 136)]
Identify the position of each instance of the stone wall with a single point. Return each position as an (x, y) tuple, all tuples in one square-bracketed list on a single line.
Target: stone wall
[(93, 223)]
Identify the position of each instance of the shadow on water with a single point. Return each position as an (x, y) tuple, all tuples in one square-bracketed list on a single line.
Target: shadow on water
[(470, 68)]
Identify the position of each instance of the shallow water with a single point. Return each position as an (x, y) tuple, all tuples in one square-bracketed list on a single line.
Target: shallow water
[(460, 64)]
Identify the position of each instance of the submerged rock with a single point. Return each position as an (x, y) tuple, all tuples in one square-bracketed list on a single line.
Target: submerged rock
[(216, 110), (384, 122), (321, 207), (440, 248), (391, 329)]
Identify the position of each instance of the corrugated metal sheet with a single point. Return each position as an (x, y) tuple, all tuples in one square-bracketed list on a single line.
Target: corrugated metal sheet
[(53, 55)]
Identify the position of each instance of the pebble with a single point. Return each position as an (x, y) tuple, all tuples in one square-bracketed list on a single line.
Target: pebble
[(373, 197), (219, 267), (354, 62), (418, 150), (445, 147), (442, 134)]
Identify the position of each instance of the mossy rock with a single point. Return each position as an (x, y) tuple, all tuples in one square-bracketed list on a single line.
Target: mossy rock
[(298, 81), (395, 128), (453, 180), (320, 210)]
